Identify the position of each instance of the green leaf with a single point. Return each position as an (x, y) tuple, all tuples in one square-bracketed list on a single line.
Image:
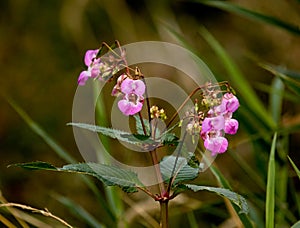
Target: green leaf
[(139, 126), (182, 171), (169, 139), (224, 5), (295, 167), (224, 183), (109, 175), (232, 196), (270, 197), (60, 151), (36, 166), (276, 98), (296, 225), (291, 82), (113, 133)]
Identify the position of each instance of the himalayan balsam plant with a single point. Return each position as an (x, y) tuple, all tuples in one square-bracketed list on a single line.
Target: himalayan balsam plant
[(210, 119)]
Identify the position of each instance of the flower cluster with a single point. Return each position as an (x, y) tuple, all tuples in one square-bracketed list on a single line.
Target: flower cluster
[(132, 92), (101, 68), (219, 121)]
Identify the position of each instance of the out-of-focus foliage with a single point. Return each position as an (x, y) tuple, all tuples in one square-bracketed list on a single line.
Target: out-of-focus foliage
[(41, 49)]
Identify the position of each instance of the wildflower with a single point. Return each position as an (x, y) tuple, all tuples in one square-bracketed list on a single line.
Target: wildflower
[(132, 101), (100, 68), (215, 143), (219, 121)]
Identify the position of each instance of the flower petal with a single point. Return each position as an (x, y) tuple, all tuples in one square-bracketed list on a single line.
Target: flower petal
[(231, 102), (231, 126), (216, 145), (129, 108), (89, 56), (83, 77)]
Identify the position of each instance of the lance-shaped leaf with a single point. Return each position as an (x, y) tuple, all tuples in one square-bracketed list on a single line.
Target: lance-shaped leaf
[(182, 172), (109, 175), (232, 196), (115, 134), (139, 125)]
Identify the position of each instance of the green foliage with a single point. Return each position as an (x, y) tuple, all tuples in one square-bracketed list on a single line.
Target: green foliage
[(232, 8), (109, 175), (270, 197), (115, 134), (232, 196), (237, 78), (295, 167), (182, 171)]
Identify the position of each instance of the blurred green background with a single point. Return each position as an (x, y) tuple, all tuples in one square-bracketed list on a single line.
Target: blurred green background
[(42, 44)]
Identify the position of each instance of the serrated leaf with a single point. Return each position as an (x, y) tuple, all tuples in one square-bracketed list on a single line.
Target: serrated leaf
[(182, 171), (113, 133), (109, 175), (169, 139), (232, 196), (139, 126), (36, 166)]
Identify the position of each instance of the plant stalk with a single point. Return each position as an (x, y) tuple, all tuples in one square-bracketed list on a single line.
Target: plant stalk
[(164, 214)]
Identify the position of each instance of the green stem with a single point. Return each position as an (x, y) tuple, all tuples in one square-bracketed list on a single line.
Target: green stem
[(164, 214)]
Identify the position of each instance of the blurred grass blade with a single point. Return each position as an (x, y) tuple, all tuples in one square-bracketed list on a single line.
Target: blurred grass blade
[(238, 79), (39, 131), (224, 183), (276, 97), (79, 212), (232, 8), (270, 197), (113, 195), (290, 81), (295, 167), (60, 152)]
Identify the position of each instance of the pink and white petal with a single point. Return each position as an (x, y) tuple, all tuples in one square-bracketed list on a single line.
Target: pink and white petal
[(126, 86), (89, 56), (206, 125), (231, 102), (83, 77), (139, 87), (231, 126), (125, 107), (135, 108), (218, 123), (216, 145)]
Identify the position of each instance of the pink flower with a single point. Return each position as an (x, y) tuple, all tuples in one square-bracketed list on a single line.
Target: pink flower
[(219, 121), (117, 88), (231, 102), (89, 56), (133, 99), (130, 104), (83, 77), (231, 126), (216, 144), (213, 123), (133, 86)]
